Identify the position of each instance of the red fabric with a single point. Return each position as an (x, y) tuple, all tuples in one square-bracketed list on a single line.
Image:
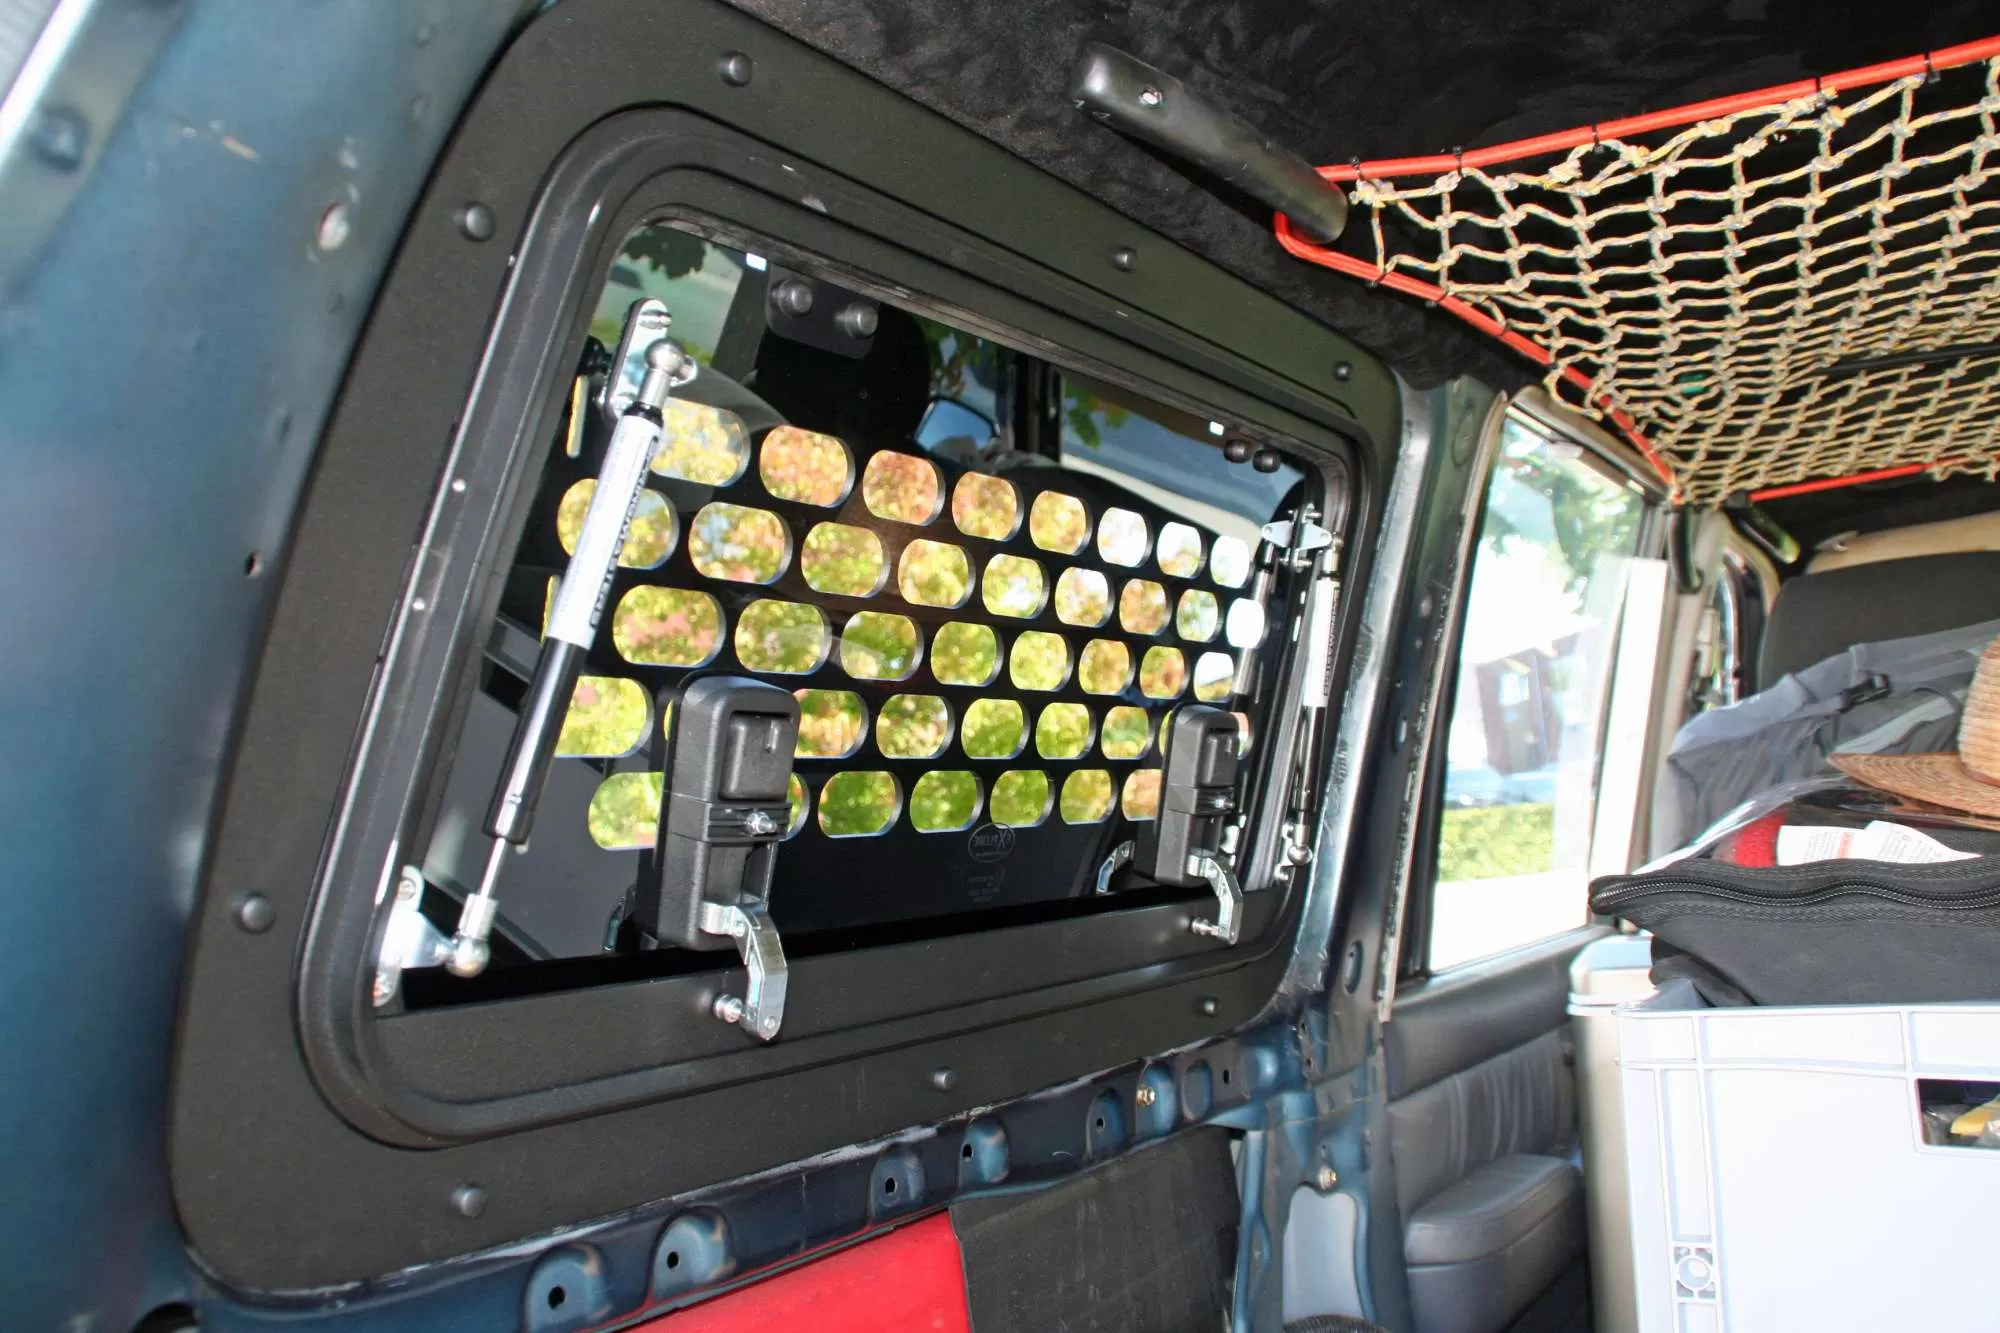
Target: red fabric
[(1755, 844), (910, 1279)]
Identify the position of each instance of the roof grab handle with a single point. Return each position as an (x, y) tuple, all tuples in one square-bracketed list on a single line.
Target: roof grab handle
[(1153, 106)]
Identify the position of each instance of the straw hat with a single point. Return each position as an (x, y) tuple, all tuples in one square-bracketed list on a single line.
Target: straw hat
[(1966, 779)]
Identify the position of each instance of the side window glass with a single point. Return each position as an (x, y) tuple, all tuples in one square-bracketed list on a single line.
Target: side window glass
[(1534, 676)]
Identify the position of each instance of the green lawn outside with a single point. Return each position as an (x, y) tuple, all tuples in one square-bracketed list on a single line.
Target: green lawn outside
[(1490, 841)]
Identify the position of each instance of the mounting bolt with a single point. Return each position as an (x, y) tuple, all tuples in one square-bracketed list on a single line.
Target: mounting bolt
[(857, 320), (468, 1201), (943, 1078), (735, 69), (1150, 97), (728, 1008), (1326, 1179), (1124, 258), (1266, 460), (1343, 371), (61, 138), (475, 222), (1238, 449), (1209, 1006), (757, 823), (1145, 1096), (793, 297), (255, 914)]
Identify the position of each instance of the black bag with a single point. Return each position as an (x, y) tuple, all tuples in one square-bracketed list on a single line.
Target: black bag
[(1830, 932)]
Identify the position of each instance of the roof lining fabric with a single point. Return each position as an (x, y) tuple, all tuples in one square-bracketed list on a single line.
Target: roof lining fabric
[(1691, 276)]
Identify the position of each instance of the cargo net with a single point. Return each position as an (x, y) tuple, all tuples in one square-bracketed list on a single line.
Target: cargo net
[(1784, 287)]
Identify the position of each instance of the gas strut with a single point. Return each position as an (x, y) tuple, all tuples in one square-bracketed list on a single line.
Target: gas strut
[(573, 621)]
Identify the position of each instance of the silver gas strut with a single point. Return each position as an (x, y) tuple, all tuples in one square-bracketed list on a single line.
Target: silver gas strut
[(579, 603)]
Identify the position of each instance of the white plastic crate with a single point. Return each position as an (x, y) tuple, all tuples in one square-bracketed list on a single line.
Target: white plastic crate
[(1778, 1173)]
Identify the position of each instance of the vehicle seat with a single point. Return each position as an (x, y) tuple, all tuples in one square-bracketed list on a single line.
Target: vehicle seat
[(1820, 615)]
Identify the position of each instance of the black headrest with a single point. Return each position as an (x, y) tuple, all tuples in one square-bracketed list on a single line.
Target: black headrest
[(1820, 615)]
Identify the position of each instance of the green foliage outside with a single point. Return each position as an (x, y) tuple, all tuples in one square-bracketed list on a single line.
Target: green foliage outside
[(1127, 732), (728, 541), (648, 540), (1105, 667), (902, 488), (934, 574), (1086, 796), (625, 811), (879, 645), (1486, 842), (1162, 673), (855, 804), (1142, 607), (1062, 731), (1039, 661), (1059, 523), (993, 729), (784, 637), (965, 654), (667, 626), (944, 802), (912, 726), (830, 723), (607, 717), (1083, 598), (1020, 798), (841, 559), (1013, 585)]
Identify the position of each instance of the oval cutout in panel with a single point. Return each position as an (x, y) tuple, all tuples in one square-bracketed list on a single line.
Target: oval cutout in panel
[(648, 541), (1141, 798), (993, 729), (832, 723), (1083, 598), (1063, 731), (1162, 673), (1142, 607), (844, 560), (785, 638), (702, 444), (965, 654), (1179, 550), (1039, 660), (1214, 677), (607, 719), (902, 488), (798, 803), (859, 804), (740, 544), (934, 574), (1086, 797), (1059, 523), (624, 813), (984, 506), (1013, 585), (675, 627), (805, 466), (880, 645), (1229, 562), (1123, 538), (1127, 733), (913, 726), (1105, 667), (1020, 798), (1198, 615), (944, 802), (1244, 627)]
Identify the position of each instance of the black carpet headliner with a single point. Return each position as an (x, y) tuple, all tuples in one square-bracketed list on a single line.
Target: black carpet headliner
[(1338, 79)]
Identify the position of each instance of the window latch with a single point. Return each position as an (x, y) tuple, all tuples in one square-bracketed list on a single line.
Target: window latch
[(721, 820), (579, 603), (1181, 848), (1301, 541)]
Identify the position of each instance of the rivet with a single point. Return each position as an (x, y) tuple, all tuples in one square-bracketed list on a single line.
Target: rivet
[(735, 69), (1145, 1096), (418, 604), (1124, 258), (1326, 1179), (1342, 370), (468, 1201), (255, 914), (253, 565), (943, 1078), (1238, 450), (335, 226), (1209, 1006), (61, 139), (1150, 97), (458, 485), (475, 222)]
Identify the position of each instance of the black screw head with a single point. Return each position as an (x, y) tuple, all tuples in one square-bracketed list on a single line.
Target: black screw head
[(1209, 1006), (735, 69), (1237, 450), (1124, 258), (468, 1201), (944, 1078), (61, 138), (475, 222), (255, 913), (1266, 460), (1343, 371)]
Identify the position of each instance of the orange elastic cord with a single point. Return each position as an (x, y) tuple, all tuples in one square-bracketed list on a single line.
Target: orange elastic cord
[(1835, 483)]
